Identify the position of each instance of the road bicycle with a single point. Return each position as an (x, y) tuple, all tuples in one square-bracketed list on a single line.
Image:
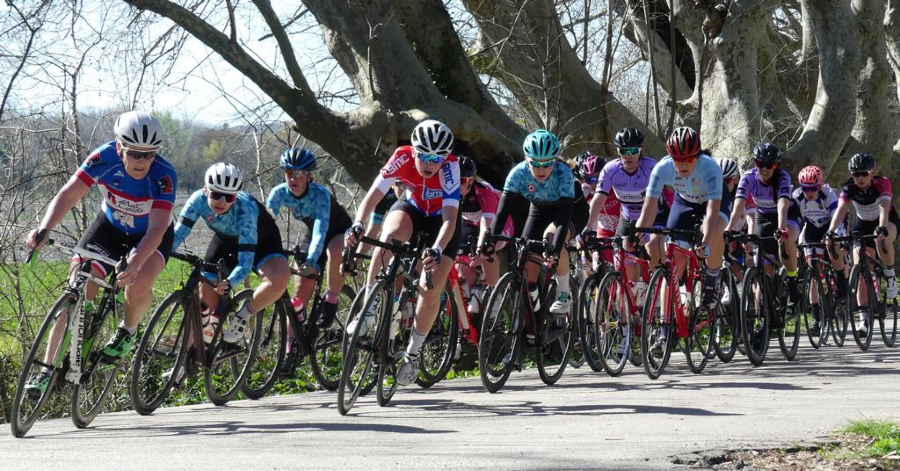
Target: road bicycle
[(819, 282)]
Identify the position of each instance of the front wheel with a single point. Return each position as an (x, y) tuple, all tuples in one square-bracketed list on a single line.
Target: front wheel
[(656, 327), (815, 316), (556, 342), (359, 347), (436, 355), (861, 314), (755, 317), (725, 330), (887, 315), (789, 333), (589, 300), (498, 343), (328, 358), (231, 363), (698, 343), (271, 353), (612, 324), (37, 382), (89, 396)]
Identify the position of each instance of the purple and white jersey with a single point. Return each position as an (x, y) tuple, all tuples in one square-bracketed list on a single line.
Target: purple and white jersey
[(765, 195), (630, 188)]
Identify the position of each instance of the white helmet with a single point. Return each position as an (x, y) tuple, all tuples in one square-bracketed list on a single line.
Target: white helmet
[(138, 129), (224, 178), (432, 137), (730, 168)]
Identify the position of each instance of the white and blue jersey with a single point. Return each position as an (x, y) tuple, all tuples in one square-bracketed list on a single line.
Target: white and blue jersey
[(314, 208), (702, 185), (127, 201), (560, 184)]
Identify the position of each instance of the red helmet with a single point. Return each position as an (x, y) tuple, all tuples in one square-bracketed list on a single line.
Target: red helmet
[(683, 143), (810, 175)]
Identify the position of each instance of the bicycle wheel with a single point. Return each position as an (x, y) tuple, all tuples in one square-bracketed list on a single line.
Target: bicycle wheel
[(837, 316), (500, 329), (724, 331), (887, 310), (754, 317), (436, 355), (160, 355), (697, 346), (359, 347), (861, 315), (89, 396), (613, 325), (231, 363), (328, 359), (656, 332), (28, 402), (271, 353), (813, 287), (789, 333), (556, 340), (589, 298), (391, 339)]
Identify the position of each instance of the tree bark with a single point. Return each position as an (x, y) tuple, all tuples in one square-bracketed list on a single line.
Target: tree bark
[(892, 40)]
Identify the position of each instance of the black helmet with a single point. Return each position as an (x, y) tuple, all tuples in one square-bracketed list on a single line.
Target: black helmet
[(767, 153), (861, 162), (629, 137), (466, 166)]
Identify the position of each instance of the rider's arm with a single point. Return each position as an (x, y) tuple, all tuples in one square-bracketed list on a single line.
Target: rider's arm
[(508, 201), (375, 194), (714, 191), (737, 214), (561, 221), (190, 214), (843, 208), (712, 215), (157, 226), (274, 201), (248, 214), (69, 195), (450, 206), (321, 199), (784, 198), (783, 205), (488, 201)]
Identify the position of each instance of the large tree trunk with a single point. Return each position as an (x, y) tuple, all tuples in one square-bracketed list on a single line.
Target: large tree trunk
[(892, 39), (831, 119)]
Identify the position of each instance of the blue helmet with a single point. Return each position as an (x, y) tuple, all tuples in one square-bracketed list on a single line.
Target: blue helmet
[(297, 158), (541, 145)]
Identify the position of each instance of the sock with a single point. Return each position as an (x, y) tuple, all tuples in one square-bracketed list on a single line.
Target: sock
[(246, 311), (562, 283), (889, 272), (331, 298), (415, 343), (712, 277), (791, 274), (130, 330)]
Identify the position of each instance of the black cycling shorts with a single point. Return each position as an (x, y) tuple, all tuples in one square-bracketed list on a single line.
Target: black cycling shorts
[(429, 226), (104, 238), (868, 227), (766, 223), (268, 243)]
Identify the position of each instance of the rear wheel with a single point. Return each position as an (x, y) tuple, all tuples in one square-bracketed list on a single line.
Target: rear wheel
[(814, 315), (556, 341), (656, 332), (359, 348), (754, 317), (271, 353), (724, 331), (837, 317), (161, 354), (698, 344), (789, 333), (498, 342), (589, 298), (29, 399), (860, 314), (328, 358), (231, 362), (887, 315), (89, 397), (436, 355), (613, 325)]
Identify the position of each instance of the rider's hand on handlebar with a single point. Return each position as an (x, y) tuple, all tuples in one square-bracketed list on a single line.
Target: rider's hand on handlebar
[(351, 237), (32, 242), (881, 232), (223, 287), (702, 250), (128, 275), (431, 258)]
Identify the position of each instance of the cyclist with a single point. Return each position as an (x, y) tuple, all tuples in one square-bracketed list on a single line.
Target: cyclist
[(871, 197), (699, 199), (731, 174), (430, 206), (245, 236), (587, 171), (544, 186), (478, 206), (776, 213), (325, 222), (817, 203), (138, 188)]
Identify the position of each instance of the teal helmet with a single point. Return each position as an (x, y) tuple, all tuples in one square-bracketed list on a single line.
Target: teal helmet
[(541, 145)]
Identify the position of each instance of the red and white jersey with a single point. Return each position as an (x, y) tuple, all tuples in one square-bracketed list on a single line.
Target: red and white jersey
[(868, 201), (609, 216), (481, 202), (429, 195)]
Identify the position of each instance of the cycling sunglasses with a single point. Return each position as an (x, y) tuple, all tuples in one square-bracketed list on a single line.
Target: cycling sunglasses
[(139, 155), (217, 195), (541, 163), (809, 188), (769, 165), (430, 158), (467, 180), (295, 173), (592, 180), (862, 173), (629, 150), (684, 160)]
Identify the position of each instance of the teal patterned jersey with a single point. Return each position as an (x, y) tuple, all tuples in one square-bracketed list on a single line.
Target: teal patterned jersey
[(560, 184)]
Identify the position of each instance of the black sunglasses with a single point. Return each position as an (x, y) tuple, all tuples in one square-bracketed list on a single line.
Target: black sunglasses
[(217, 195), (139, 155), (862, 173)]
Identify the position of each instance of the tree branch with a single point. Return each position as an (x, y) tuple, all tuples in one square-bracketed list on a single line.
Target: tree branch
[(287, 49)]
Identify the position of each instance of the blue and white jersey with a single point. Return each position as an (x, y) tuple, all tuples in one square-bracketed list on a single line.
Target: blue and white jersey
[(239, 222), (702, 185), (817, 211), (127, 202), (560, 184), (312, 207)]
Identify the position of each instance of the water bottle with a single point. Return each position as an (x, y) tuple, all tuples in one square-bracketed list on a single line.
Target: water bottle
[(395, 317), (299, 310), (535, 296), (475, 299), (409, 314), (209, 330), (639, 290)]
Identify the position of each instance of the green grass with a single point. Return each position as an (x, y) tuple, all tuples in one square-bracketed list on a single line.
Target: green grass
[(886, 436)]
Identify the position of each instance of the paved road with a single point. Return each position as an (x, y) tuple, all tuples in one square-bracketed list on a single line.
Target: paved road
[(586, 421)]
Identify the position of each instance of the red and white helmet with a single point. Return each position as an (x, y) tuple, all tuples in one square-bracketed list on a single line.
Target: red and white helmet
[(810, 176), (683, 143)]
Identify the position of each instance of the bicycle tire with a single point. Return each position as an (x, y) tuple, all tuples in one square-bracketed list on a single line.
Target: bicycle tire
[(89, 398), (837, 317), (271, 353), (887, 310), (231, 372), (613, 325), (697, 346), (588, 297), (652, 325), (147, 387), (853, 306), (436, 355), (327, 360), (725, 335), (812, 283), (358, 350), (24, 403), (501, 327), (754, 317), (555, 340), (390, 352), (789, 332)]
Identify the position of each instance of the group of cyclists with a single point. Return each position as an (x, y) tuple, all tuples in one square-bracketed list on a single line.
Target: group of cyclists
[(426, 191)]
